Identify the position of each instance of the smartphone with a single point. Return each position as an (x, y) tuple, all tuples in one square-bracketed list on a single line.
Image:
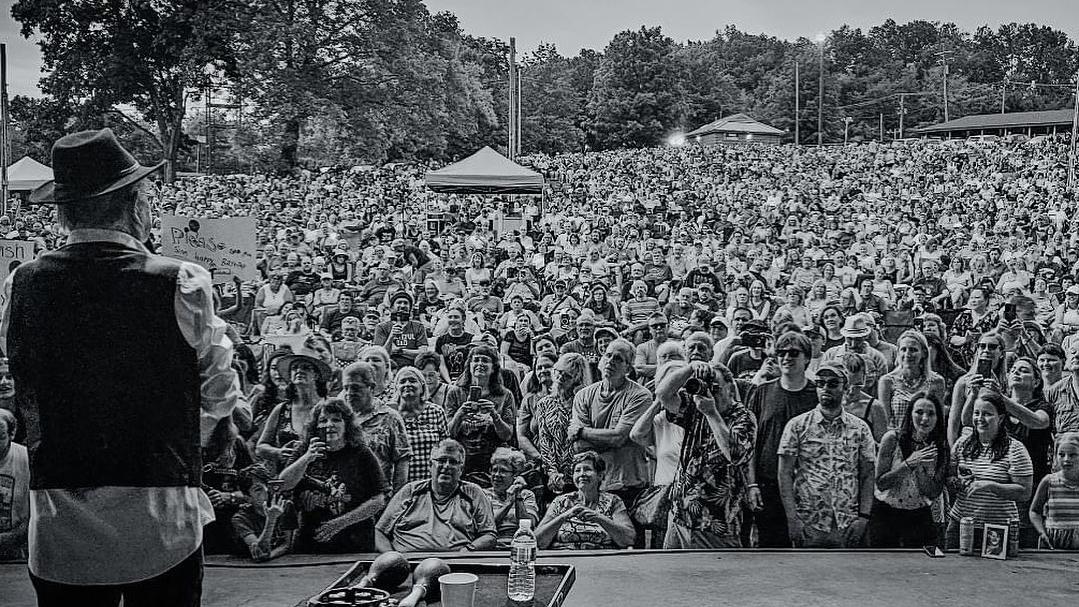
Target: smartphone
[(474, 393), (1009, 312), (933, 552), (985, 367), (275, 486), (399, 317)]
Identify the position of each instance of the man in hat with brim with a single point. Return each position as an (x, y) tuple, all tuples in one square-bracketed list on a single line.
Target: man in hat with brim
[(855, 332), (126, 370)]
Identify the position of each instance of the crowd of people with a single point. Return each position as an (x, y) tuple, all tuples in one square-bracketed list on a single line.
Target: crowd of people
[(684, 347)]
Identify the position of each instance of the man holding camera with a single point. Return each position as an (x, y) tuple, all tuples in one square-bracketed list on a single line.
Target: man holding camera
[(402, 337), (717, 449), (749, 358)]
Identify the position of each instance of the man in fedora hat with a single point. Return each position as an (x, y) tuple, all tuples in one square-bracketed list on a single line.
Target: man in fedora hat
[(126, 371)]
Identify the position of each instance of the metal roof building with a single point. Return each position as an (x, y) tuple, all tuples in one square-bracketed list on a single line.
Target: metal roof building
[(1027, 123), (736, 128)]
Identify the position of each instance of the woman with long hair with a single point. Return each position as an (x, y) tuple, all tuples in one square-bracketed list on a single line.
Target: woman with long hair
[(912, 467), (1029, 417), (537, 386), (425, 421), (817, 298), (570, 373), (913, 374), (759, 302), (223, 458), (482, 410), (339, 482), (308, 379), (831, 320), (992, 470), (991, 351)]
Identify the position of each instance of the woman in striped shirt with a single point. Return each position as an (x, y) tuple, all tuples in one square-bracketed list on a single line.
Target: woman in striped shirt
[(993, 470)]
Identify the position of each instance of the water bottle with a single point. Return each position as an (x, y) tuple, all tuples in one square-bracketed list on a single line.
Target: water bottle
[(521, 585)]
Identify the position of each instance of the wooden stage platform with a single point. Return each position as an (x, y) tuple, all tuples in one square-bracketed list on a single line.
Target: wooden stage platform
[(747, 578)]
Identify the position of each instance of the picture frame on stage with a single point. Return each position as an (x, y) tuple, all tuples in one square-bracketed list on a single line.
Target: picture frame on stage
[(995, 542)]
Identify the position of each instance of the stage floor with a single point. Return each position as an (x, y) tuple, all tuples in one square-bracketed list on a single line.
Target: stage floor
[(678, 579)]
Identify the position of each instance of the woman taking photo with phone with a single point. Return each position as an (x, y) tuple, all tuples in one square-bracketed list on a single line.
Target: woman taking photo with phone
[(482, 412), (338, 481), (986, 370)]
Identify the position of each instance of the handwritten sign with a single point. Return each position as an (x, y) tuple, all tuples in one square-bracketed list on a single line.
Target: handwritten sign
[(226, 247), (12, 254)]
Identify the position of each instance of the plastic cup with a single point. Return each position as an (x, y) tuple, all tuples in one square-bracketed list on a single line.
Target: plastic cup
[(458, 589)]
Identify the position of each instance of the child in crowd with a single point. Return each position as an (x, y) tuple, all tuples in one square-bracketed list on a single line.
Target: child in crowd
[(1054, 511), (266, 524)]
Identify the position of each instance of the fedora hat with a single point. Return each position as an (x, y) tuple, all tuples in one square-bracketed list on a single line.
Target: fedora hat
[(86, 165), (855, 326)]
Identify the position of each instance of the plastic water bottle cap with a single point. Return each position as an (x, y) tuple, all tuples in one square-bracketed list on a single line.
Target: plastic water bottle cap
[(525, 523)]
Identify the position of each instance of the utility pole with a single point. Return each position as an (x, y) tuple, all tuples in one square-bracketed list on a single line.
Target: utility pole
[(943, 54), (797, 104), (5, 149), (1003, 93), (511, 124), (820, 99), (902, 112), (1075, 131), (882, 127), (846, 128), (520, 79)]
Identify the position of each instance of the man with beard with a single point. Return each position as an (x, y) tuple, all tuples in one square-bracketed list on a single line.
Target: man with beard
[(402, 337), (855, 331), (826, 469), (443, 513)]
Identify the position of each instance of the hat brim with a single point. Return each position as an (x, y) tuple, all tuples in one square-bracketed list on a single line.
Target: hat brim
[(46, 193), (855, 333), (284, 366)]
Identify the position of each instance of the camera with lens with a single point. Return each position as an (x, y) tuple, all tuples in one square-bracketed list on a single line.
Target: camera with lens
[(754, 340), (695, 387)]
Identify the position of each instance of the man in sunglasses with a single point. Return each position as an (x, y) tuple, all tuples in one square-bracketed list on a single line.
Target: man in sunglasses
[(774, 403), (645, 360), (826, 469)]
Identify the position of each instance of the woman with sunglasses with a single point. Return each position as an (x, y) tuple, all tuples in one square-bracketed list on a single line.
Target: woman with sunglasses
[(990, 354)]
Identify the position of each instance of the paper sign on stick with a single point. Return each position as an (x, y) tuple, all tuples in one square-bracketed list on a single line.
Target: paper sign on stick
[(224, 246)]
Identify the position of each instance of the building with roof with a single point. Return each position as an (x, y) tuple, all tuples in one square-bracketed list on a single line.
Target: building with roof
[(736, 128), (1030, 124)]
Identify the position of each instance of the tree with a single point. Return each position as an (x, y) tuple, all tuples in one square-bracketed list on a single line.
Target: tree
[(637, 95), (549, 104), (99, 54)]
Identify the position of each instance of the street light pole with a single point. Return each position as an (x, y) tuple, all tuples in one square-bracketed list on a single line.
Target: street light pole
[(820, 94), (797, 104), (846, 128)]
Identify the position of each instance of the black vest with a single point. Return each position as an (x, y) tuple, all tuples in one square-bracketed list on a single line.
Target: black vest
[(111, 384)]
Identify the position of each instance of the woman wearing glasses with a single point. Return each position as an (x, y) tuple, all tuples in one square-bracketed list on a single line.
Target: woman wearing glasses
[(989, 356)]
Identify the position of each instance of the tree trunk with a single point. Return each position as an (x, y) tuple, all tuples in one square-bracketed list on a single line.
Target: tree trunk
[(290, 143)]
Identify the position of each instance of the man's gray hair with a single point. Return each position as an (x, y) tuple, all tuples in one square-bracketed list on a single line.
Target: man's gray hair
[(116, 211), (448, 445), (9, 418)]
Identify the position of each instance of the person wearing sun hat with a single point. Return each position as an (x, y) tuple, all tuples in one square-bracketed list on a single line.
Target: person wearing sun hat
[(126, 371), (855, 332)]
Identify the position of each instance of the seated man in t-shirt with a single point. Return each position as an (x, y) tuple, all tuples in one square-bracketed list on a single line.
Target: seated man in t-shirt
[(442, 513), (266, 524)]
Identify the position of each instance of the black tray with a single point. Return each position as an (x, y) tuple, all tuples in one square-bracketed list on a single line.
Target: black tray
[(553, 583)]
